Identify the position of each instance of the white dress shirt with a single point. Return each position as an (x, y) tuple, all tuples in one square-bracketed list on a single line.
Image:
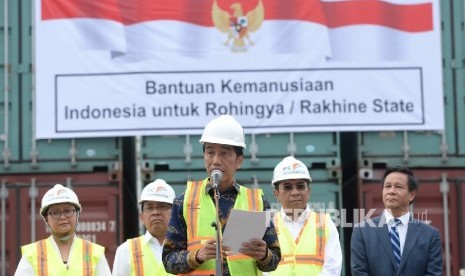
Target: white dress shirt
[(122, 258), (25, 267), (401, 228), (333, 253)]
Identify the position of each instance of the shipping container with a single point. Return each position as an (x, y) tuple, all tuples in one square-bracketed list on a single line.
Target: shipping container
[(429, 148), (319, 151), (172, 152), (458, 63), (20, 151), (460, 183), (21, 195), (264, 151), (439, 202)]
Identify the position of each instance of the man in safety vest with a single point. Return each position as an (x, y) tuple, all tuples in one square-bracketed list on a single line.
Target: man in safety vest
[(63, 253), (309, 240), (190, 242), (142, 255)]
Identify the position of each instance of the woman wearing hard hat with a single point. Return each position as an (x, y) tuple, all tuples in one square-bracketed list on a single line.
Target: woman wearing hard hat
[(63, 253)]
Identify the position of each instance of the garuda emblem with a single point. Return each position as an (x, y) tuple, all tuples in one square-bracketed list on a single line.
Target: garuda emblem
[(237, 25)]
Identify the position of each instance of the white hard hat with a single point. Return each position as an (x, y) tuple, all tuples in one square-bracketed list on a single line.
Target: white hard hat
[(159, 191), (224, 130), (59, 194), (290, 168)]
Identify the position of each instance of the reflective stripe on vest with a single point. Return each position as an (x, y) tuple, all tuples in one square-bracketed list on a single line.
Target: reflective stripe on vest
[(42, 258), (305, 254), (199, 212), (87, 259), (143, 261), (47, 262), (136, 252), (254, 199)]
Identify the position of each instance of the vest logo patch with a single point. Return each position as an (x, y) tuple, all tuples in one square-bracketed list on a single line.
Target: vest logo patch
[(193, 206)]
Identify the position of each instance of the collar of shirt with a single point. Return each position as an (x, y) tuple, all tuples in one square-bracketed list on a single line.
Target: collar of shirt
[(390, 218), (55, 245), (302, 217), (148, 238), (401, 228), (154, 245), (295, 227), (209, 187)]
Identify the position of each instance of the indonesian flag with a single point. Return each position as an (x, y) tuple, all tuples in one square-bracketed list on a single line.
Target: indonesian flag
[(378, 30), (334, 29)]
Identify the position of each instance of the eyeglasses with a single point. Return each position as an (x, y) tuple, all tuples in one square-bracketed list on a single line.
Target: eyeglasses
[(57, 214), (290, 187), (153, 208)]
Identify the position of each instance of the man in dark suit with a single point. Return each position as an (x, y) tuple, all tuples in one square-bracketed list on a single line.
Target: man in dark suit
[(395, 243)]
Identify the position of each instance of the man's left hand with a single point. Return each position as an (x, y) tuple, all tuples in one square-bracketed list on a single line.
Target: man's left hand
[(256, 249)]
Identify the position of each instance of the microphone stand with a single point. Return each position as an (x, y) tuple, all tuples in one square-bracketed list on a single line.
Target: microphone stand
[(217, 226)]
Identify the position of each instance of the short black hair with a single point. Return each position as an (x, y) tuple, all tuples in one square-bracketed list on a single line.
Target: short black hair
[(238, 150), (412, 181)]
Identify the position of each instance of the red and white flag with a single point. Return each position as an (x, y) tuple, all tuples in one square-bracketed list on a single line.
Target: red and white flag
[(90, 25), (187, 27), (378, 30), (340, 29)]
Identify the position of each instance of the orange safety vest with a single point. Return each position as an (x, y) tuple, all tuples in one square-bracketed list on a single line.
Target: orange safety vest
[(304, 255), (199, 212), (47, 262), (143, 261)]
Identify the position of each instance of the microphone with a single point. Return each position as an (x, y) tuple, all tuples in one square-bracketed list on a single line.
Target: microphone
[(216, 178)]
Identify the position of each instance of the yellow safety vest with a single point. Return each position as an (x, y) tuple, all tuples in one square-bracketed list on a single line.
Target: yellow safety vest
[(306, 254), (143, 261), (199, 212), (47, 262)]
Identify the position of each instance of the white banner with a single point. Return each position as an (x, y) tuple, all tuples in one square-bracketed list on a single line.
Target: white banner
[(104, 71)]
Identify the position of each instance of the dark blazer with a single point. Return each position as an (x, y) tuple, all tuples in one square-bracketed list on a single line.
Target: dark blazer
[(371, 250)]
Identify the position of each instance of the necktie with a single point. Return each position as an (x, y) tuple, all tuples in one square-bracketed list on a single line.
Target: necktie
[(395, 240)]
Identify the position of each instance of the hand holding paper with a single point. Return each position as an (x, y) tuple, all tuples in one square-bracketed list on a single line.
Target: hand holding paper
[(243, 226)]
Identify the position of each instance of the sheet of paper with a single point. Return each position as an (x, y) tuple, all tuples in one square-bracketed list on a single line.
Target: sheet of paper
[(243, 226)]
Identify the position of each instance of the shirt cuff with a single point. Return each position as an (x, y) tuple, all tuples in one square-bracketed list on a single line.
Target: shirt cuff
[(265, 259), (192, 260)]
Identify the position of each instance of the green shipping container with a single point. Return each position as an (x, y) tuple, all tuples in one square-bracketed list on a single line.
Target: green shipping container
[(458, 64), (432, 148), (264, 151), (20, 152)]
